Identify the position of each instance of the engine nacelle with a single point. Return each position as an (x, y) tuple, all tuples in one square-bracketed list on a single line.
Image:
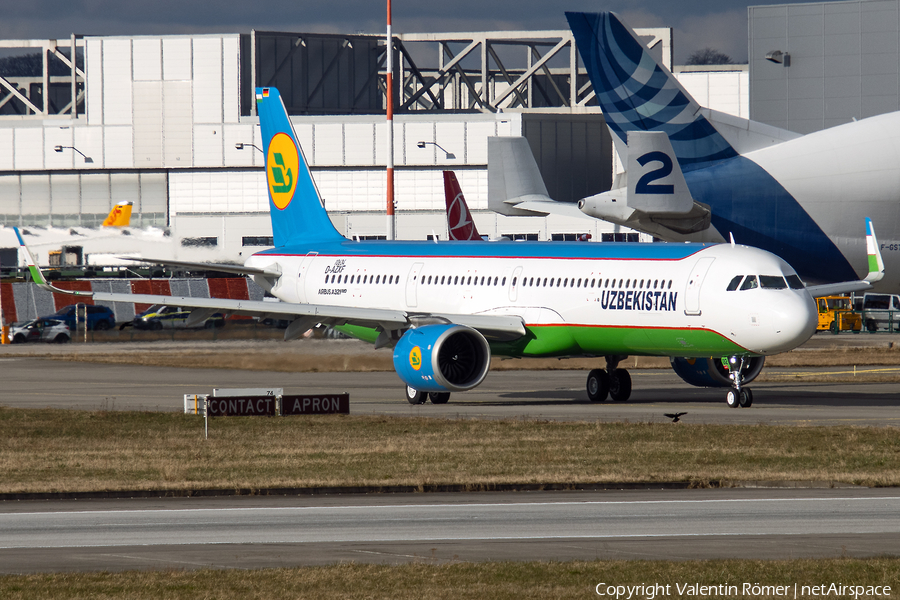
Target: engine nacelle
[(710, 372), (442, 358)]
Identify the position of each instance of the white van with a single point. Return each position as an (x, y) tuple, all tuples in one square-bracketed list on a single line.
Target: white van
[(881, 312)]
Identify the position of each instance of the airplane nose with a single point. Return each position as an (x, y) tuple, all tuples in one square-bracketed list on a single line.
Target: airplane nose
[(794, 318)]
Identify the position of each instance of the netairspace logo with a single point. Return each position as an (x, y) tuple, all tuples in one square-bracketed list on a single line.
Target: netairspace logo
[(750, 590)]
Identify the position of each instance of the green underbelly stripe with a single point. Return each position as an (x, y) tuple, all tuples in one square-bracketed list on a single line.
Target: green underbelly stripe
[(578, 340)]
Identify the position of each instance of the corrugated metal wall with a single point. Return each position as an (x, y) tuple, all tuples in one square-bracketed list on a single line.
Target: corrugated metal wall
[(844, 63)]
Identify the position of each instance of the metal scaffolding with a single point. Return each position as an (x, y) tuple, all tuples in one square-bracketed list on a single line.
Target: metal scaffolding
[(498, 70), (48, 93)]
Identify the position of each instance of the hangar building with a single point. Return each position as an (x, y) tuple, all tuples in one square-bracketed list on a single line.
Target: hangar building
[(168, 122)]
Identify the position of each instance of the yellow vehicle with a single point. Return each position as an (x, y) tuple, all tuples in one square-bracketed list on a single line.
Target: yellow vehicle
[(836, 315)]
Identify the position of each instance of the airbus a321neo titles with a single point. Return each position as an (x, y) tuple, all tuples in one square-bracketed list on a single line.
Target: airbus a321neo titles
[(446, 307)]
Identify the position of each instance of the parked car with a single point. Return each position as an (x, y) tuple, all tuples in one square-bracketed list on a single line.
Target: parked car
[(172, 317), (44, 329), (881, 312), (99, 317)]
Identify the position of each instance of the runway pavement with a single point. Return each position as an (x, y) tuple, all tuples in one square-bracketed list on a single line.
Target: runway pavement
[(293, 531), (255, 532), (39, 382)]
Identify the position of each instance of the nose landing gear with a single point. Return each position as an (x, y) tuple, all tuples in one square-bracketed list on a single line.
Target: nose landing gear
[(737, 395)]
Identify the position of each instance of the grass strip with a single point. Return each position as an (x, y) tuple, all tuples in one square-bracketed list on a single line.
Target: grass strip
[(497, 580), (51, 450)]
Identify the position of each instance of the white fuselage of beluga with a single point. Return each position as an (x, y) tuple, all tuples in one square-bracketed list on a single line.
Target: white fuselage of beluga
[(684, 301)]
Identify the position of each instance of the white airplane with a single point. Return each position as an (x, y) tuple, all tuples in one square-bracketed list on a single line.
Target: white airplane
[(695, 174), (447, 307)]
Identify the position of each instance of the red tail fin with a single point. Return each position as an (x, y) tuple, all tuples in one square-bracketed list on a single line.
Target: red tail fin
[(459, 219)]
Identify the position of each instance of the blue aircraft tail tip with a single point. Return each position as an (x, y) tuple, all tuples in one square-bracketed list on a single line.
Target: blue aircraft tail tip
[(636, 93), (295, 206)]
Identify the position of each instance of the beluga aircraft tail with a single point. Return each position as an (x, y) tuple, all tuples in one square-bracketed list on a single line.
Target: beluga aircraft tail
[(801, 197)]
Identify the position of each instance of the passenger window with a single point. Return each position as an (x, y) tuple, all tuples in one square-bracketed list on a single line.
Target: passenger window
[(734, 283), (503, 282), (750, 283)]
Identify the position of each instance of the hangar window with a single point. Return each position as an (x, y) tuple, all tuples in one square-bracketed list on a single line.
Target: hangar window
[(200, 242), (257, 240), (733, 285)]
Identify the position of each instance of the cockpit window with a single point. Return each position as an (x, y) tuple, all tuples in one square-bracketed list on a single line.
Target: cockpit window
[(734, 283), (750, 283), (794, 282), (772, 282)]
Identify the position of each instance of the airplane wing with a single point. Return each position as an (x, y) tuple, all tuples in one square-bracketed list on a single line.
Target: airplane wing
[(876, 271), (223, 268), (493, 327)]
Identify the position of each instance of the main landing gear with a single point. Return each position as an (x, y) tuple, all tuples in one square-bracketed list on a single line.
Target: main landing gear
[(414, 396), (612, 382), (737, 395)]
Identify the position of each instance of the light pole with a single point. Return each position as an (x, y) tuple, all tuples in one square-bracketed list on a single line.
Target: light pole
[(87, 159)]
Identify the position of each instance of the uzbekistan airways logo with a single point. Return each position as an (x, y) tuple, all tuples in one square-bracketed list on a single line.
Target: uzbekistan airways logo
[(415, 358), (283, 164)]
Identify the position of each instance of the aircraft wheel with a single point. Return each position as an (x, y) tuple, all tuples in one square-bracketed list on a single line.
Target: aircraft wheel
[(620, 385), (746, 398), (732, 398), (597, 385), (414, 396), (439, 397)]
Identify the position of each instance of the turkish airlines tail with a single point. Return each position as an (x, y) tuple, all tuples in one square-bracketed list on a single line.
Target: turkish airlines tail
[(459, 219)]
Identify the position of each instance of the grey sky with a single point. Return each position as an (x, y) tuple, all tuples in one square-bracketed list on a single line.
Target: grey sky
[(720, 24)]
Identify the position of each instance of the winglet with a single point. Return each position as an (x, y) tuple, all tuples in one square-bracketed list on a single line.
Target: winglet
[(876, 263), (36, 275)]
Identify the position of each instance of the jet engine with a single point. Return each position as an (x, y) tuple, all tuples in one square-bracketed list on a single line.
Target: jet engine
[(710, 372), (442, 358)]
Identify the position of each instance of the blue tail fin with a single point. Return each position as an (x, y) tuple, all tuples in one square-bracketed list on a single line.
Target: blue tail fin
[(638, 94), (296, 208)]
